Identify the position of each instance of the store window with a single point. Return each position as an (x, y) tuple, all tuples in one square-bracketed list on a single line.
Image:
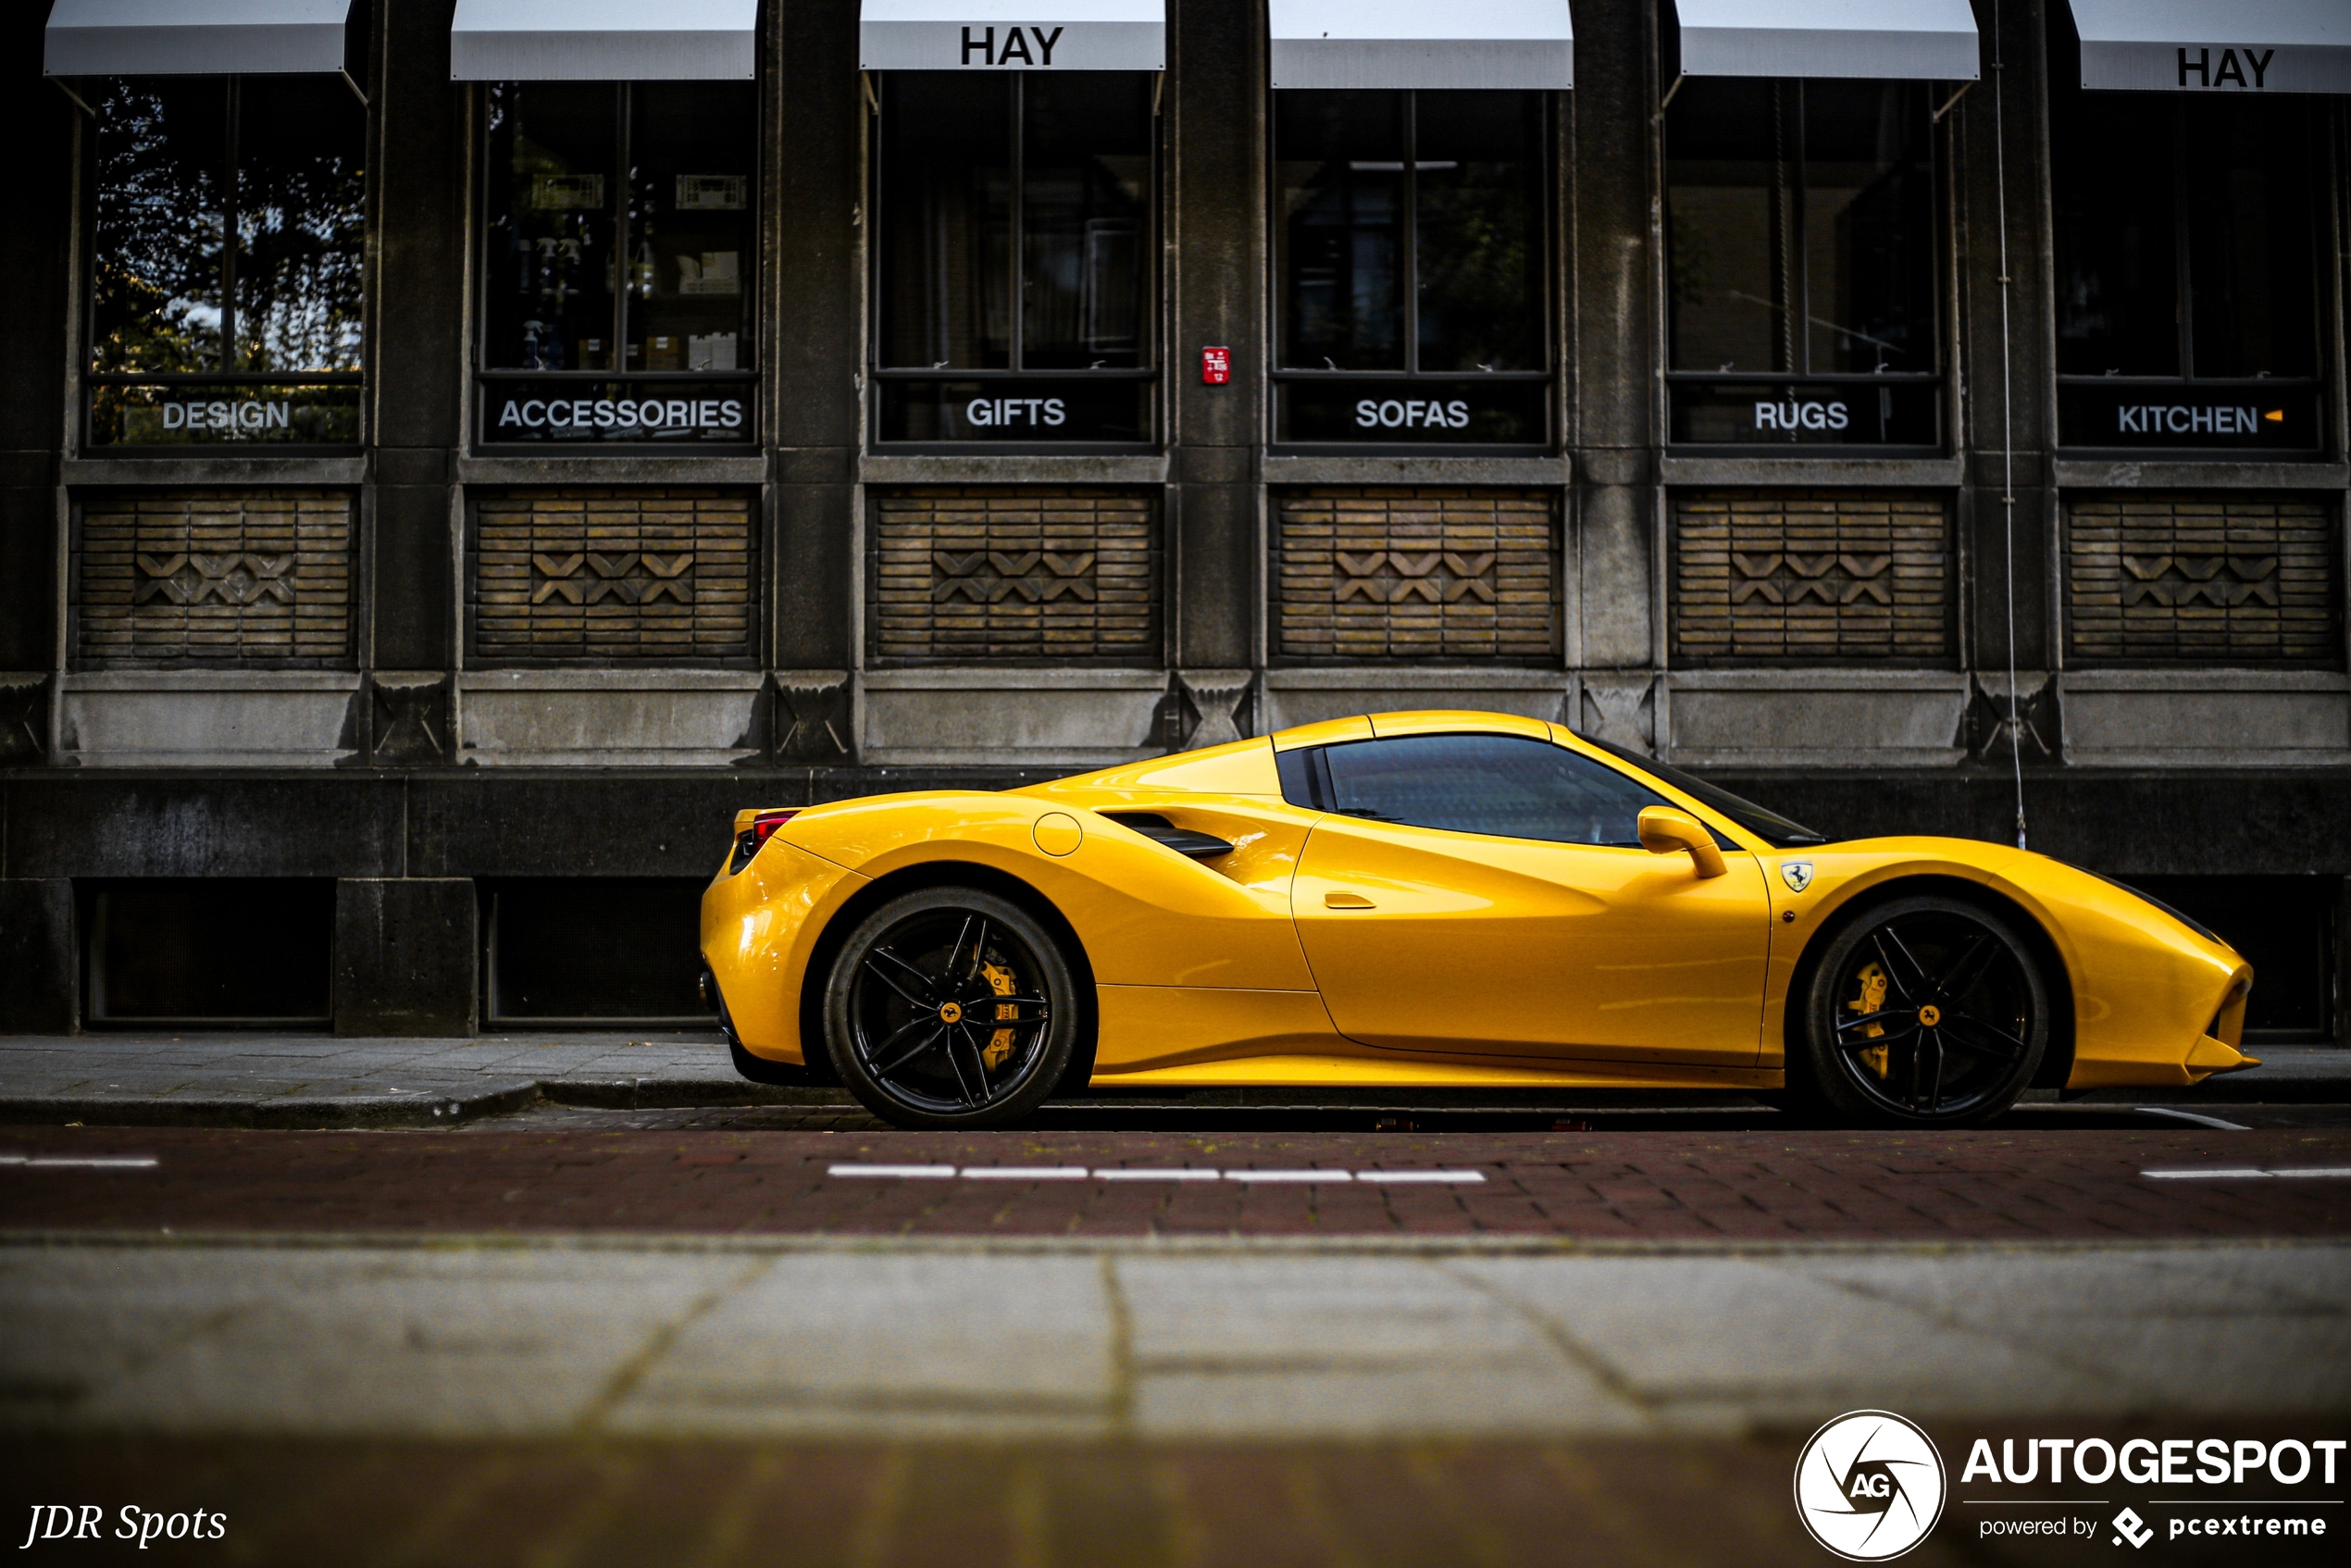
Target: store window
[(1013, 297), (619, 267), (226, 255), (1410, 264), (1800, 250), (2187, 260)]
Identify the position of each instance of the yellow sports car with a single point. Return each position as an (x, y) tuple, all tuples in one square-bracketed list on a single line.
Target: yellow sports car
[(1435, 900)]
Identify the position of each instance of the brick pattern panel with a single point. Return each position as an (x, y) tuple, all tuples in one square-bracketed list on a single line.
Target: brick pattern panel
[(604, 574), (216, 577), (1371, 573), (1775, 576), (2202, 577), (1027, 572)]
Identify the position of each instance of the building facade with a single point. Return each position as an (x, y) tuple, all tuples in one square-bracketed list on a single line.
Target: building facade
[(451, 457)]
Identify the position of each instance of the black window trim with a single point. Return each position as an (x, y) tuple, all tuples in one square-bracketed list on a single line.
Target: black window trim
[(1154, 320), (484, 376), (2320, 381), (1942, 337), (1553, 370), (89, 380)]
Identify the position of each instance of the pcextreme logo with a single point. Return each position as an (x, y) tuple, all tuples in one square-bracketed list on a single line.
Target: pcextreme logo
[(1869, 1486)]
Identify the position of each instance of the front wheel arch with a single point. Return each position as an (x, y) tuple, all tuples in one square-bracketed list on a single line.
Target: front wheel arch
[(948, 873), (2056, 1061)]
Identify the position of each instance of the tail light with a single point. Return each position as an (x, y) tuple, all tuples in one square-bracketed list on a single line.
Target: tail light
[(751, 835)]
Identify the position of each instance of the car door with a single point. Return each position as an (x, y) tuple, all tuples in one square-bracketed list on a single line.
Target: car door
[(1486, 893)]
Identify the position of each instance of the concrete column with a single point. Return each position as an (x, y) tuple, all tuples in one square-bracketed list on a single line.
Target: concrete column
[(1614, 334), (1215, 150), (417, 370), (407, 956), (34, 259), (816, 227), (2008, 407), (40, 955)]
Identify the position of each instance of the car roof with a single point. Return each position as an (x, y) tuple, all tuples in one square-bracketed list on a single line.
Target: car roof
[(1424, 721)]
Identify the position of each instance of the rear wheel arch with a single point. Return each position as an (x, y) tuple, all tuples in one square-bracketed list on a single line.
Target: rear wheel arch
[(2057, 976), (943, 874)]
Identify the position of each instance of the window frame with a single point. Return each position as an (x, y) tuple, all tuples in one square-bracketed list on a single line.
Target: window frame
[(1939, 382), (2320, 382), (483, 377), (88, 379), (1551, 302), (1153, 324)]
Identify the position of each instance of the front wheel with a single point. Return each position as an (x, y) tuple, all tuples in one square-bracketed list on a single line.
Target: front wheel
[(951, 1007), (1924, 1012)]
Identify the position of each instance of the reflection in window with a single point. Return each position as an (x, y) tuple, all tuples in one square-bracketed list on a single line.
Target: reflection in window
[(1500, 785), (619, 226), (2184, 236), (1802, 227), (1015, 242), (1411, 230), (978, 169), (229, 242), (1800, 243)]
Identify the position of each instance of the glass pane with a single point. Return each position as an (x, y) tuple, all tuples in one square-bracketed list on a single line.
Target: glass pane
[(2112, 177), (1339, 173), (548, 272), (2251, 260), (691, 152), (1729, 218), (1478, 164), (1492, 784), (945, 221), (301, 145), (1869, 227), (156, 285), (1085, 179)]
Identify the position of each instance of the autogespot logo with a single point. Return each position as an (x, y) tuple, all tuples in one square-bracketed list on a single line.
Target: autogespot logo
[(1869, 1486)]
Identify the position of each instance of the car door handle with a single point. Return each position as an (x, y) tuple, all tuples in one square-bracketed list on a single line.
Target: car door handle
[(1347, 901)]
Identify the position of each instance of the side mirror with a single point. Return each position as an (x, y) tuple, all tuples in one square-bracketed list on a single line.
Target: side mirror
[(1667, 831)]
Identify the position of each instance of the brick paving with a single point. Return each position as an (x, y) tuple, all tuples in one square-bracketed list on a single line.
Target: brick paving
[(854, 1505), (1628, 1187)]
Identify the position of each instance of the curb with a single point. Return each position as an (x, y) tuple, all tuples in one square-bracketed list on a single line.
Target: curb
[(440, 1108)]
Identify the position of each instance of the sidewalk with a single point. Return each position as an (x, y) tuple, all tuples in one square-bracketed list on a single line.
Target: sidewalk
[(254, 1079)]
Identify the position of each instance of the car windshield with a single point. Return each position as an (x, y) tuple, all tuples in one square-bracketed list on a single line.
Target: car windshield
[(1769, 825)]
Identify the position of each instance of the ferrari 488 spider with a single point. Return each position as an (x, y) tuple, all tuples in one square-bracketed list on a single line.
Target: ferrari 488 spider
[(1434, 900)]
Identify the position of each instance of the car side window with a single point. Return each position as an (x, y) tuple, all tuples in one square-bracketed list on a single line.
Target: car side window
[(1504, 785)]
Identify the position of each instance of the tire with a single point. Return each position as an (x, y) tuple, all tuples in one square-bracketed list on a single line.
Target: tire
[(903, 1003), (1923, 1012)]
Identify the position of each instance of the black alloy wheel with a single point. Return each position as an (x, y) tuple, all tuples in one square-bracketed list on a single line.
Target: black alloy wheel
[(951, 1007), (1924, 1012)]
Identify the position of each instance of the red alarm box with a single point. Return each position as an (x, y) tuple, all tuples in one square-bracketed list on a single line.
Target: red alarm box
[(1215, 365)]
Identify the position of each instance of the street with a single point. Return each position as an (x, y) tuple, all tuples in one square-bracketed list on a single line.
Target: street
[(1185, 1332)]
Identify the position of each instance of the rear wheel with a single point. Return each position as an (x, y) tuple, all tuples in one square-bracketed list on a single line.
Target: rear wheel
[(1924, 1012), (951, 1007)]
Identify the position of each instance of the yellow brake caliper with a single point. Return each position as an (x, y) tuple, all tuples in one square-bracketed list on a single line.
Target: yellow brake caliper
[(1872, 1000), (1000, 1043)]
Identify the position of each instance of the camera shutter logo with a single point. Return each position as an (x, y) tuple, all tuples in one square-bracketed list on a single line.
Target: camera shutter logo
[(1869, 1485)]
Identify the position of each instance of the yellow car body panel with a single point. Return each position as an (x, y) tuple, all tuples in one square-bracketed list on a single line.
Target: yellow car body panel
[(1329, 951)]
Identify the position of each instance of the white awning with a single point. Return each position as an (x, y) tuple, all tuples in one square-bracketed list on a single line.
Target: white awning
[(1524, 43), (193, 37), (1012, 35), (604, 41), (2215, 45), (1900, 40)]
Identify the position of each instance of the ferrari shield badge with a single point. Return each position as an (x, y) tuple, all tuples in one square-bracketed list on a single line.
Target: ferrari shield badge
[(1796, 874)]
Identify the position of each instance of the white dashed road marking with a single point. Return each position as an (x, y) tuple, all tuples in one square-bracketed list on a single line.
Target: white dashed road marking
[(2249, 1173), (121, 1162), (1144, 1172)]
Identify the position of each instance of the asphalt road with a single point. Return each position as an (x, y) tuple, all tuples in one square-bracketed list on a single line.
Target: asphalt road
[(1200, 1335)]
